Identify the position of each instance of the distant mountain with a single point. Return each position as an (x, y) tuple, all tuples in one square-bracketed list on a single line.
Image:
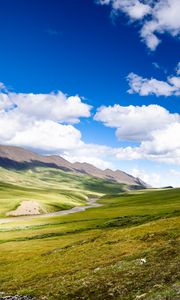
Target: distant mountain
[(18, 158)]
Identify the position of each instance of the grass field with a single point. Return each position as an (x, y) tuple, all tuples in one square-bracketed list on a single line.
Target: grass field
[(53, 189), (126, 249)]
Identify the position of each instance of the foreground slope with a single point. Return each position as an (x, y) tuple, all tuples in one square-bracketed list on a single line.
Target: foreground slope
[(126, 249)]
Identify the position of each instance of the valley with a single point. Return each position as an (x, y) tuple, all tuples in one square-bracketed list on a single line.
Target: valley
[(120, 242)]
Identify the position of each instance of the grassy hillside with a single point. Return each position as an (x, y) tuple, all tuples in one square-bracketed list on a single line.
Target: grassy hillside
[(53, 189), (126, 249)]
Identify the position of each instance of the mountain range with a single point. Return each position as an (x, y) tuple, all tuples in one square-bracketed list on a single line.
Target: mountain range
[(12, 157)]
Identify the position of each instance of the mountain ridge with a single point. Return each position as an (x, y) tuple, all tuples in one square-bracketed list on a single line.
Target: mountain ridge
[(13, 157)]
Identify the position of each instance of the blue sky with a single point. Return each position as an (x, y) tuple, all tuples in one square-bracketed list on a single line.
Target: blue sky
[(86, 49)]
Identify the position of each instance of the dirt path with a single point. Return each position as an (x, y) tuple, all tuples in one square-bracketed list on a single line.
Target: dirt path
[(90, 204)]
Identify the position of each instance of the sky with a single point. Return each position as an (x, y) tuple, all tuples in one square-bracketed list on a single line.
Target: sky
[(94, 81)]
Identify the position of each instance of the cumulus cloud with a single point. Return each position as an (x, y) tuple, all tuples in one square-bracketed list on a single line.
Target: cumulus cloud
[(47, 136), (154, 17), (163, 147), (30, 121), (41, 121), (135, 9), (134, 123), (165, 144), (45, 123), (153, 131), (152, 86), (54, 106)]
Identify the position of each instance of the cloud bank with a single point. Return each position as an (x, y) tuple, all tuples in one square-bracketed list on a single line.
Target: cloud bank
[(46, 122)]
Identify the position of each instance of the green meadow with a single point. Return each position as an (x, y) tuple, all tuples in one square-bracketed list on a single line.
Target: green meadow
[(52, 188), (127, 248)]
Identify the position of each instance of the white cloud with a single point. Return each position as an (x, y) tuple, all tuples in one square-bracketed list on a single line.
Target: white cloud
[(134, 123), (29, 121), (145, 87), (5, 102), (175, 81), (34, 120), (2, 87), (155, 131), (135, 9), (47, 136), (43, 122), (165, 144), (178, 69), (163, 147), (54, 106), (155, 17), (152, 178), (158, 177), (97, 155)]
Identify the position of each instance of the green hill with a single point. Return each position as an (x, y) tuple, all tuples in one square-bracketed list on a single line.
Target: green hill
[(53, 189)]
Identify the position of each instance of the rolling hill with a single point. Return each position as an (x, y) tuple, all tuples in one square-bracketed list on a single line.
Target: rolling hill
[(46, 184)]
